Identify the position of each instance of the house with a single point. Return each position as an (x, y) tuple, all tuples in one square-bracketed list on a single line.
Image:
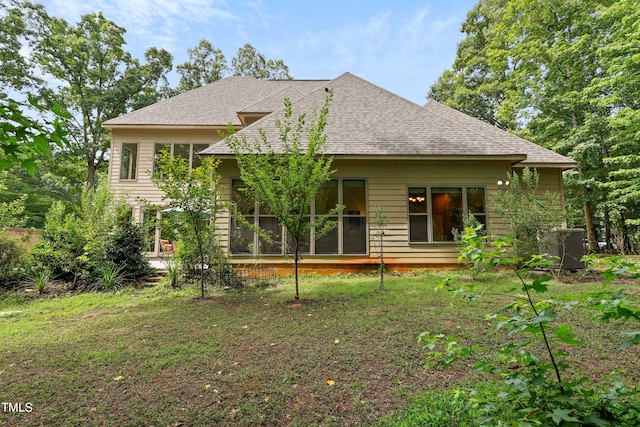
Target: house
[(426, 166)]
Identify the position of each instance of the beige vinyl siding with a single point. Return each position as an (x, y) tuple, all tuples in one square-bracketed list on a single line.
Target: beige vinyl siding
[(387, 184), (142, 188)]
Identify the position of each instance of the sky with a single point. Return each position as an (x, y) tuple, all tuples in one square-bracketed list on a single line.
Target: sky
[(402, 45)]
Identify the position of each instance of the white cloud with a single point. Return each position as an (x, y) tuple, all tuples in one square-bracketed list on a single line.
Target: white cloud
[(155, 22)]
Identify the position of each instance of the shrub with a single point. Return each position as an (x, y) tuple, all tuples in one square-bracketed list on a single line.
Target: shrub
[(125, 248), (11, 257), (72, 245), (39, 276), (110, 276), (535, 384)]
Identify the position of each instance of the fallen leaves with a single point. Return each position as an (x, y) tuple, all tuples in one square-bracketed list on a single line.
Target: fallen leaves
[(330, 381), (336, 341), (118, 378)]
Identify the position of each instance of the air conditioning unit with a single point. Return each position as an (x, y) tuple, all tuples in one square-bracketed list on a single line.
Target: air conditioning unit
[(567, 245)]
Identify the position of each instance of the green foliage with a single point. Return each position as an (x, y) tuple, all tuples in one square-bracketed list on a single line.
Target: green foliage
[(195, 195), (11, 212), (11, 258), (530, 216), (39, 276), (61, 244), (96, 78), (540, 392), (205, 65), (249, 62), (563, 75), (285, 176), (72, 245), (22, 139), (125, 248), (472, 243), (110, 276)]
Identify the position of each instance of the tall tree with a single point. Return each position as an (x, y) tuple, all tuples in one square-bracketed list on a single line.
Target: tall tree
[(205, 65), (531, 64), (618, 88), (249, 62), (285, 176), (477, 82), (95, 79)]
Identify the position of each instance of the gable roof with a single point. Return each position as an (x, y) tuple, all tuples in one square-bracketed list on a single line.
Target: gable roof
[(216, 104), (366, 120)]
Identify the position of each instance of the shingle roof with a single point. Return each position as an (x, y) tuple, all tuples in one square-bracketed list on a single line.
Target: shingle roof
[(215, 104), (535, 153), (366, 120)]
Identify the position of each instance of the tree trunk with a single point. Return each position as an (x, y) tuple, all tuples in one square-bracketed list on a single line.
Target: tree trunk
[(296, 264), (592, 244), (91, 173), (607, 230), (591, 232), (382, 261)]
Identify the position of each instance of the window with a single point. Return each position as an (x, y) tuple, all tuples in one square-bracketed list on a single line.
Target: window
[(348, 238), (435, 211), (185, 150), (129, 160)]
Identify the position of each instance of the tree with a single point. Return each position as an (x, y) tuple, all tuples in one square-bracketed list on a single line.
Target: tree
[(285, 177), (381, 221), (478, 81), (249, 62), (95, 79), (531, 65), (205, 65), (618, 86), (196, 197)]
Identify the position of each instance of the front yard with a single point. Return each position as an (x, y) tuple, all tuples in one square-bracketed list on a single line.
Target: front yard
[(345, 354)]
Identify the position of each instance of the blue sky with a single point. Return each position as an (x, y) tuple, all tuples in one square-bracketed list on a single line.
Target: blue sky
[(402, 46)]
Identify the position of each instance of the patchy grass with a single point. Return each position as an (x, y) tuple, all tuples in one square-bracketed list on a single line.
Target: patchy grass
[(343, 355)]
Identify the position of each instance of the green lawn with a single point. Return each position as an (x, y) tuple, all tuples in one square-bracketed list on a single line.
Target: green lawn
[(343, 355)]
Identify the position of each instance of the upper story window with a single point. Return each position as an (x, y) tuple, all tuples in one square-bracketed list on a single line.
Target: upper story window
[(435, 211), (129, 160), (348, 238), (185, 150)]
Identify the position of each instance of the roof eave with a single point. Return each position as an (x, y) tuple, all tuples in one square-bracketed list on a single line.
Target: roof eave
[(546, 165), (509, 158), (112, 127)]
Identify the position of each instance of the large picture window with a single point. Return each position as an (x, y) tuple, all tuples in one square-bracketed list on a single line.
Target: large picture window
[(434, 212), (348, 238)]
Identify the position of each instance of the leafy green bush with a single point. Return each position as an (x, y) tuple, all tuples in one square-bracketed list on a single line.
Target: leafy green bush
[(11, 257), (529, 214), (61, 247), (72, 245), (535, 383), (125, 248)]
